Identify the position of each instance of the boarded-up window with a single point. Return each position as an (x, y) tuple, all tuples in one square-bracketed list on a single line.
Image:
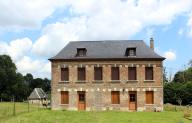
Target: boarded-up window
[(115, 98), (148, 73), (132, 73), (64, 97), (64, 74), (114, 73), (149, 97), (81, 73), (98, 73)]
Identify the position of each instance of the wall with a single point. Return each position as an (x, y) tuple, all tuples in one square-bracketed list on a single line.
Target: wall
[(98, 95)]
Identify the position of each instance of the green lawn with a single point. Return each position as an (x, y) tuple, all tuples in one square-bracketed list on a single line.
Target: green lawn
[(7, 109), (48, 116)]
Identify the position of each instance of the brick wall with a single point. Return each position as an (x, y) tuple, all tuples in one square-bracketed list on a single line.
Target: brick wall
[(105, 88)]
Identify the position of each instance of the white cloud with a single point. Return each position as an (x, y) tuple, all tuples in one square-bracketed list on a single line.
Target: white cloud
[(56, 36), (38, 68), (109, 19), (26, 13), (89, 20), (16, 48), (170, 55)]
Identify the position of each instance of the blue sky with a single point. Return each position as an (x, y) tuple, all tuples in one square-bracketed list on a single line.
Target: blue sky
[(34, 30)]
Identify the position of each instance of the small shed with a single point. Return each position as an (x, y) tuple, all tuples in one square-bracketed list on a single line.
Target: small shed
[(37, 96)]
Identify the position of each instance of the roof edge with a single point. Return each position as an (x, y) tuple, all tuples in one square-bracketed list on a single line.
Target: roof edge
[(109, 59)]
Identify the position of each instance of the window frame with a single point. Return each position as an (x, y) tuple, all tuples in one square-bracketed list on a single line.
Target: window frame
[(131, 52), (64, 97), (149, 73), (81, 52), (79, 76), (115, 74), (130, 74), (64, 71), (149, 98), (115, 97), (98, 73)]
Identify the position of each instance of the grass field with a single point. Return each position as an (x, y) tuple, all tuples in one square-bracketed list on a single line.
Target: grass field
[(7, 109), (48, 116)]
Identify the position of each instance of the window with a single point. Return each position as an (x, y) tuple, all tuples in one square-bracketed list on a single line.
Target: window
[(98, 73), (82, 97), (149, 73), (130, 52), (64, 74), (64, 97), (132, 97), (81, 52), (115, 98), (81, 73), (149, 97), (132, 73), (115, 73)]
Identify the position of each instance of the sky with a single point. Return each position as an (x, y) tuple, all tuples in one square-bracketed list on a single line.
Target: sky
[(31, 31)]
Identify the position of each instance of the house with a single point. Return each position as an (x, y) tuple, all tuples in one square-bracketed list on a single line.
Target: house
[(37, 96), (107, 75)]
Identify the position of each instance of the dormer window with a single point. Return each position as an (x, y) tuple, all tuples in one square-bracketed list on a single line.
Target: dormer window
[(81, 52), (130, 52)]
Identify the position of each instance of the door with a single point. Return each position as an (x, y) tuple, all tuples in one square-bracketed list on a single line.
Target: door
[(81, 100), (132, 100)]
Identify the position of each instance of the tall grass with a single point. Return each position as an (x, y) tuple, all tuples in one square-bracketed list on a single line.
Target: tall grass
[(37, 115), (170, 107), (7, 108)]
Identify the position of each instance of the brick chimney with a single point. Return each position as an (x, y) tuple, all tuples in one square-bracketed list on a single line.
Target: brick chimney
[(152, 43)]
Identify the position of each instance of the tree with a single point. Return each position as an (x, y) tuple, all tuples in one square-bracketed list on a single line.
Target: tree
[(28, 80), (13, 83), (190, 63), (7, 77), (179, 77), (165, 75)]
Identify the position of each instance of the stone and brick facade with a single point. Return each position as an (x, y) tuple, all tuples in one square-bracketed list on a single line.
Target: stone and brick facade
[(89, 94)]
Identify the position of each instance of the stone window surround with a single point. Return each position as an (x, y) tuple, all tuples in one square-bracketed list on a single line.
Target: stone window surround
[(144, 89), (109, 65), (112, 90)]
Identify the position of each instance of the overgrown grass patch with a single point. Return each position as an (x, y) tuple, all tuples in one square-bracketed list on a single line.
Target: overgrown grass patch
[(7, 108), (49, 116)]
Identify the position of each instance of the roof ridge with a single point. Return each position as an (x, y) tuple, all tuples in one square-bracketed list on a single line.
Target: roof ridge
[(103, 40)]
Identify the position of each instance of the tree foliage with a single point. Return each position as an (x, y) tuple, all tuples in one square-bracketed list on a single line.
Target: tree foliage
[(13, 83), (180, 89), (183, 76)]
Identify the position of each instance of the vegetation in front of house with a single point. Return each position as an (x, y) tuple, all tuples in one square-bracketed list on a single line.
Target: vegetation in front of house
[(48, 116), (37, 115), (14, 84), (7, 109)]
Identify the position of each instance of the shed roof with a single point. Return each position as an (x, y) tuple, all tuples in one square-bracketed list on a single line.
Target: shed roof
[(37, 93)]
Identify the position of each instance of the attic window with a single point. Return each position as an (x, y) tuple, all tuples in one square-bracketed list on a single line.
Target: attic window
[(130, 52), (81, 52)]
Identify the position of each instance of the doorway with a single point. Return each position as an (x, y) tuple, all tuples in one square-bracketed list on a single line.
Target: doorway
[(81, 100), (132, 100)]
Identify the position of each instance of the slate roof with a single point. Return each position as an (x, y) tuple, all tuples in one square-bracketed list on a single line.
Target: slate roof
[(37, 93), (109, 49)]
